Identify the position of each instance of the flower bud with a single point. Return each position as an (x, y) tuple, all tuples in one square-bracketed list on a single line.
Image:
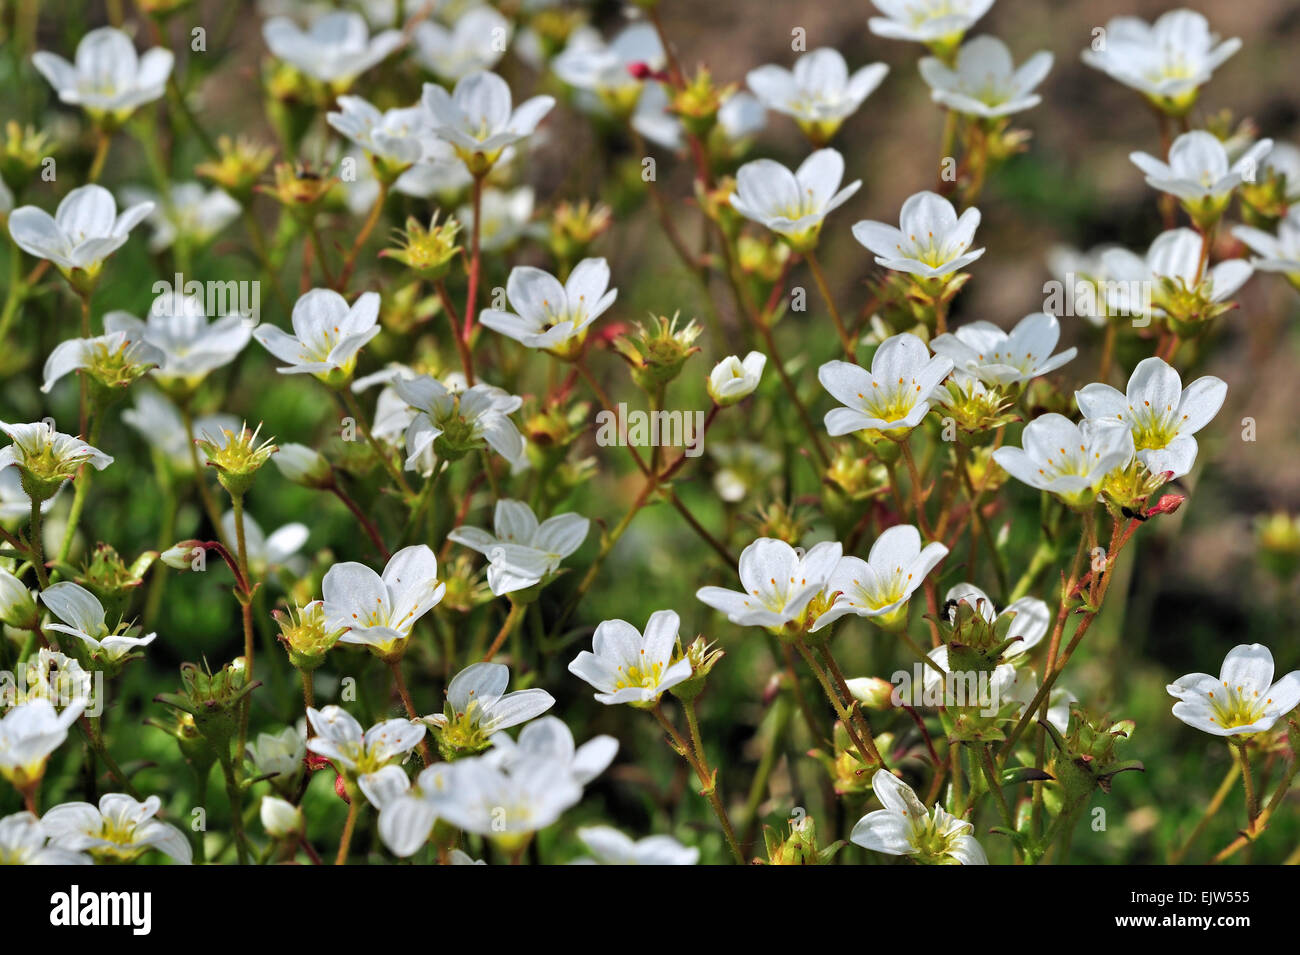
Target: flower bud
[(732, 380), (427, 251), (281, 819), (237, 457), (872, 692), (657, 354), (303, 465), (17, 606), (304, 635)]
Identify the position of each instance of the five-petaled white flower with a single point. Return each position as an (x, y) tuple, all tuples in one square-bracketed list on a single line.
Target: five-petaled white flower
[(1242, 699), (732, 379), (1199, 174), (29, 733), (190, 212), (476, 41), (936, 23), (23, 842), (335, 49), (893, 397), (521, 551), (505, 804), (779, 583), (549, 315), (380, 610), (279, 754), (608, 846), (112, 354), (818, 93), (793, 204), (479, 119), (47, 455), (930, 242), (83, 617), (399, 136), (603, 69), (627, 666), (278, 549), (455, 423), (119, 829), (549, 738), (997, 357), (1167, 61), (1161, 414), (985, 81), (327, 336), (108, 80), (905, 828), (1068, 459), (339, 738), (1174, 255), (84, 230), (480, 705), (191, 348), (406, 812), (881, 586)]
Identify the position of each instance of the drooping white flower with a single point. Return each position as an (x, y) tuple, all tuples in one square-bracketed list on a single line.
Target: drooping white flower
[(627, 666), (1174, 255), (893, 397), (335, 49), (327, 336), (1068, 459), (265, 552), (479, 119), (480, 705), (113, 353), (23, 842), (985, 81), (549, 738), (997, 357), (881, 586), (84, 231), (1280, 253), (191, 347), (549, 315), (119, 829), (340, 739), (732, 380), (1199, 174), (278, 754), (160, 424), (46, 455), (793, 204), (399, 136), (380, 610), (521, 551), (818, 93), (936, 23), (476, 41), (779, 583), (29, 733), (507, 217), (83, 617), (1242, 699), (191, 212), (608, 846), (602, 69), (931, 240), (1167, 61), (108, 79), (906, 828), (1030, 617), (454, 424), (1161, 414)]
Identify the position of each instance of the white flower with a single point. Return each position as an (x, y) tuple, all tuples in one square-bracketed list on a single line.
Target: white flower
[(22, 842), (1198, 172), (1280, 253), (985, 82), (113, 352), (893, 397), (905, 828), (778, 580), (603, 69), (1161, 414), (278, 754), (280, 818), (379, 611), (819, 92), (56, 678), (506, 217), (191, 348), (739, 117), (481, 706), (406, 813), (506, 805), (522, 552), (793, 204), (549, 315), (549, 738), (462, 421), (476, 41), (1242, 699), (732, 379), (335, 49), (29, 733), (160, 424), (398, 135), (881, 585), (120, 829), (1167, 61), (191, 212), (1174, 255), (1081, 278), (339, 738), (1030, 617), (48, 454), (83, 232), (83, 617), (478, 117), (939, 22), (327, 336), (630, 667), (1283, 160), (1068, 459), (1003, 358), (608, 846), (931, 240), (108, 78), (265, 552)]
